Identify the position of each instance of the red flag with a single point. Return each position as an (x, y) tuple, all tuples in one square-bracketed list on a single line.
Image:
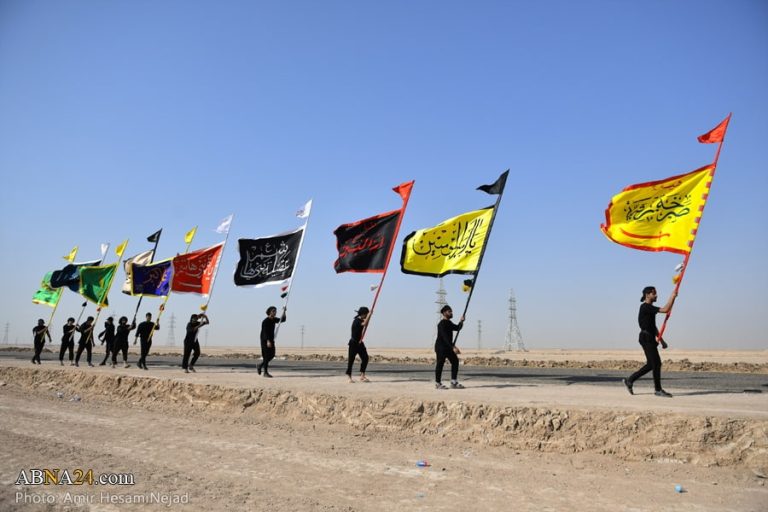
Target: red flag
[(404, 189), (193, 272), (716, 134)]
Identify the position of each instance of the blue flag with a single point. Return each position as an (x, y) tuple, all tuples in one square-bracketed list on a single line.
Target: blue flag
[(153, 279)]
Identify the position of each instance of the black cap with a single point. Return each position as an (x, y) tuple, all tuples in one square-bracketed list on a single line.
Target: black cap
[(362, 311)]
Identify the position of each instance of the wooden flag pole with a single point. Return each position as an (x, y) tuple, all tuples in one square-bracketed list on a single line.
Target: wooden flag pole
[(151, 259), (295, 267), (688, 254), (482, 252), (389, 257)]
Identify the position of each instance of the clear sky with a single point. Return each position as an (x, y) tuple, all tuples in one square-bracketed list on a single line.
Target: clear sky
[(120, 118)]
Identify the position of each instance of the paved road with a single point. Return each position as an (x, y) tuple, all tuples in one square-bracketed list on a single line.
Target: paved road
[(708, 381)]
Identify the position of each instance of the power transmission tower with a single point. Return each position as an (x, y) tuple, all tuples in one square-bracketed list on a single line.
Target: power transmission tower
[(171, 342), (441, 293), (479, 335), (302, 336), (514, 340), (7, 330), (206, 338)]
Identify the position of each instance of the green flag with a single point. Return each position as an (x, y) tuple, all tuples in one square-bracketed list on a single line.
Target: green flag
[(95, 283), (46, 295)]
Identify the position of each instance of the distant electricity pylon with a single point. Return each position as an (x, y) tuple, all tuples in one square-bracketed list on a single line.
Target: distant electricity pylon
[(302, 336), (5, 334), (171, 333), (513, 340), (479, 335)]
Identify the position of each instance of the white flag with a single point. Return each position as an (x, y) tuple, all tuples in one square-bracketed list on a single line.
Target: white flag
[(224, 225), (303, 213), (104, 249)]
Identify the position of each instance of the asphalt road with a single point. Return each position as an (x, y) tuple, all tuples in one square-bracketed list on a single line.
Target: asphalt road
[(705, 381)]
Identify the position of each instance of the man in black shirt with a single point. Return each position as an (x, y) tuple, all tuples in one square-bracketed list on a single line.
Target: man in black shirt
[(648, 334), (445, 348), (191, 344), (267, 337), (144, 333), (121, 340), (39, 332), (108, 336), (68, 342), (356, 345), (86, 341)]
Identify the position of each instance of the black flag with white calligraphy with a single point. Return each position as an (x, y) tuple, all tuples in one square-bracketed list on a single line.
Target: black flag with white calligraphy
[(364, 245), (270, 260)]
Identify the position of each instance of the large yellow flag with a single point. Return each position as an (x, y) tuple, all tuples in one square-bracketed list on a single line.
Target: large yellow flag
[(661, 215), (451, 247)]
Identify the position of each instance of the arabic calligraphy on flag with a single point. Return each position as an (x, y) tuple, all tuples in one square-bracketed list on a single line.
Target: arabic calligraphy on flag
[(661, 215), (193, 272), (268, 260), (153, 279), (364, 245), (452, 247), (140, 259)]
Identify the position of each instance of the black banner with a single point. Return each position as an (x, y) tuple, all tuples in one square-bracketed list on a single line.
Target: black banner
[(267, 260), (364, 245)]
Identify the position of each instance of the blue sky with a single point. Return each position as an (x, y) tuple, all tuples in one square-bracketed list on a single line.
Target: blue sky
[(119, 118)]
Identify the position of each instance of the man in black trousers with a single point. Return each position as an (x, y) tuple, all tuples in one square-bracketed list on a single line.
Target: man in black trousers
[(144, 333), (445, 348), (40, 331), (68, 342), (191, 343), (86, 341), (356, 345), (267, 337), (108, 336)]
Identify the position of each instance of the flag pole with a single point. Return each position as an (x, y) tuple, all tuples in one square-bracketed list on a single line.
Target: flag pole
[(295, 268), (690, 250), (109, 287), (482, 251), (165, 300), (216, 270), (71, 258), (389, 257), (151, 259)]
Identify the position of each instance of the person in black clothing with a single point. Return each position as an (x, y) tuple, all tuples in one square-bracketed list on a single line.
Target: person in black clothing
[(86, 341), (68, 342), (268, 339), (121, 340), (144, 333), (39, 332), (648, 336), (108, 336), (356, 345), (190, 341), (446, 349)]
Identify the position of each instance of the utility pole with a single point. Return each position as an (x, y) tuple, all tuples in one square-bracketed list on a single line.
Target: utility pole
[(479, 335), (302, 336)]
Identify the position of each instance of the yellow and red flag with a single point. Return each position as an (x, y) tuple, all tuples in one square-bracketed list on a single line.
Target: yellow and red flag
[(660, 215)]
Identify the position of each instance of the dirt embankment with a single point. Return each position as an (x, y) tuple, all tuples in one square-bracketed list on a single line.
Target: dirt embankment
[(626, 435)]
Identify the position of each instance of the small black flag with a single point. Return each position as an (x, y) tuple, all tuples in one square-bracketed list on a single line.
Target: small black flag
[(155, 237), (496, 188)]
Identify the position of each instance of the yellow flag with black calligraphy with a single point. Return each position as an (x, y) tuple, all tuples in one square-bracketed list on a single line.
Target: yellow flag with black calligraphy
[(661, 215), (452, 247)]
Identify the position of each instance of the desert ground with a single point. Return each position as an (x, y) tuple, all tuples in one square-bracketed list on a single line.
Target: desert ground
[(224, 439)]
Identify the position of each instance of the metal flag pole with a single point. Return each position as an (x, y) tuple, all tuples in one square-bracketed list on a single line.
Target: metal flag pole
[(503, 180), (151, 259), (701, 214), (295, 265)]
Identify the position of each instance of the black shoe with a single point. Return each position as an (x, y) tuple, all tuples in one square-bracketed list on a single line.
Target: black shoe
[(456, 385), (192, 369), (103, 363), (628, 385), (258, 368), (145, 367), (663, 393), (267, 374)]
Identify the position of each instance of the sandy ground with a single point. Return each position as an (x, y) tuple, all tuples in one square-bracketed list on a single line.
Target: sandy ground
[(232, 440)]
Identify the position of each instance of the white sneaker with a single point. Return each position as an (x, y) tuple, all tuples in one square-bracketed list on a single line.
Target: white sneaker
[(439, 385)]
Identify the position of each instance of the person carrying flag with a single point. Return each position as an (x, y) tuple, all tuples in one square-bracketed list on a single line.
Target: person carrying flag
[(144, 333), (121, 340), (191, 343), (356, 345), (268, 339), (108, 336), (86, 341), (40, 331), (445, 348), (648, 334), (68, 342)]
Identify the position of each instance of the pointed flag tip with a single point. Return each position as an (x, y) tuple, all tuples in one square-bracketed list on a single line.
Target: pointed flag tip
[(716, 134), (497, 187)]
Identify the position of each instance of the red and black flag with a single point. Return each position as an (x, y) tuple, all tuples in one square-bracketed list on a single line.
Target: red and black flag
[(364, 245)]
